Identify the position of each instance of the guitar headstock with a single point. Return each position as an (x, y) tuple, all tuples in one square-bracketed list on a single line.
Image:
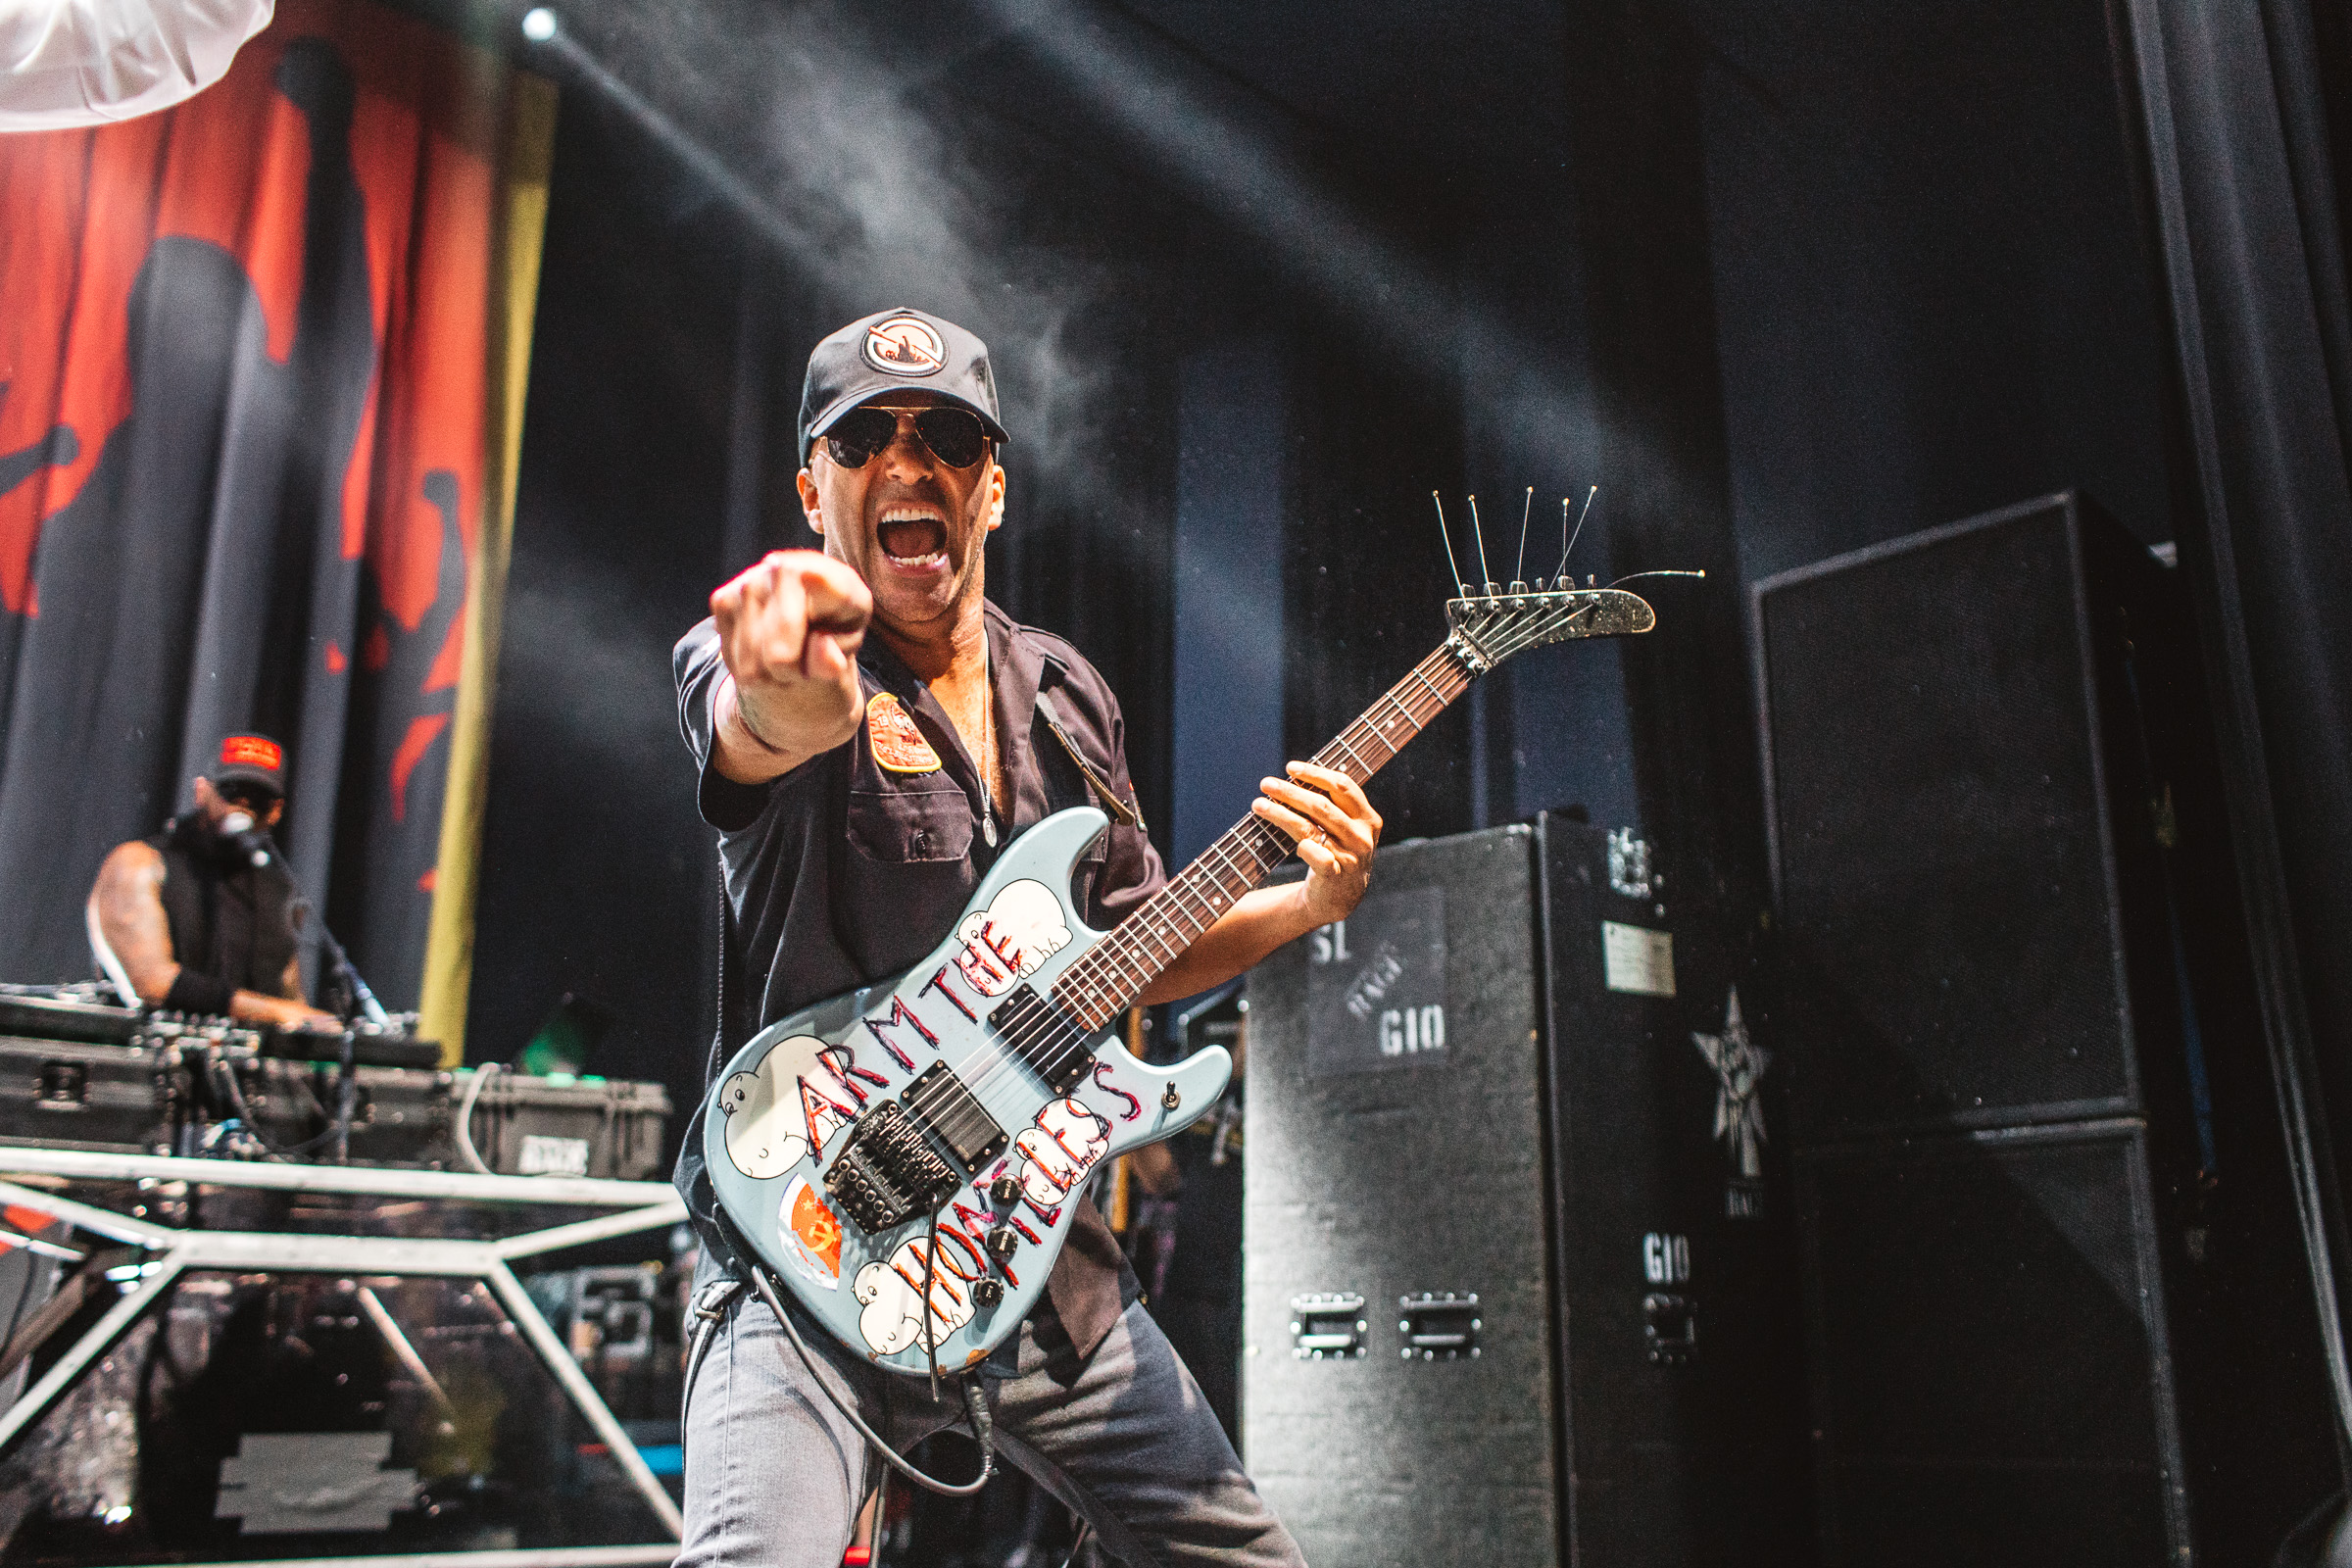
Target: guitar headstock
[(1490, 627)]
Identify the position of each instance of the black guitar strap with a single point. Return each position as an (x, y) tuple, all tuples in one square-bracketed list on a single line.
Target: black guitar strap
[(724, 1038), (738, 1001), (1122, 811)]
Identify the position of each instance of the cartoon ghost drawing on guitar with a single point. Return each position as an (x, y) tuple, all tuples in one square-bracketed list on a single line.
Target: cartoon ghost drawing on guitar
[(784, 1107), (891, 1290), (1058, 1151), (1021, 928)]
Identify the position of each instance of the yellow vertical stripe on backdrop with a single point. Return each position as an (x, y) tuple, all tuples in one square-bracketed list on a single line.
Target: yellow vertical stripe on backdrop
[(522, 228)]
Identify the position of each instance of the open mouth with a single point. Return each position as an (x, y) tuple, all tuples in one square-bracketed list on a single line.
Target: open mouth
[(914, 538)]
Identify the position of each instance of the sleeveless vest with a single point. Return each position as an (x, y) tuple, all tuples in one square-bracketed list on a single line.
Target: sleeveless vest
[(229, 918)]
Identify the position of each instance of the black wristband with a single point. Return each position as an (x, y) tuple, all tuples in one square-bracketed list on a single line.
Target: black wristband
[(198, 993)]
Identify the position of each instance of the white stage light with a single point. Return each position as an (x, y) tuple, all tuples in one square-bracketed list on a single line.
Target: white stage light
[(539, 24)]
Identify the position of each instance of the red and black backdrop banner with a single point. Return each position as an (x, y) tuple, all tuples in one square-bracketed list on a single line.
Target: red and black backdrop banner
[(244, 365)]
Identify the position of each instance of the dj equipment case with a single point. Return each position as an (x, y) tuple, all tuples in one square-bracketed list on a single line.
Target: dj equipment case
[(79, 1011), (530, 1126), (178, 1088), (71, 1094), (520, 1125), (1517, 1277), (399, 1115)]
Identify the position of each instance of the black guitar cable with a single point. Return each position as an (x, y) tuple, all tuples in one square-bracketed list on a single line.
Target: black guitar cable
[(930, 1276), (975, 1404)]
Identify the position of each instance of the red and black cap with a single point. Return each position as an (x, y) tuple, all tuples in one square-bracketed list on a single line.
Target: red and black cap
[(250, 759), (894, 349)]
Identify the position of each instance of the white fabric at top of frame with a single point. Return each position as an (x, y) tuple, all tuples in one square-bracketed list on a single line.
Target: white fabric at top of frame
[(65, 63)]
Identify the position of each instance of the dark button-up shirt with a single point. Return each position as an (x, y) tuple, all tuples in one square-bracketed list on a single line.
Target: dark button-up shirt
[(845, 870)]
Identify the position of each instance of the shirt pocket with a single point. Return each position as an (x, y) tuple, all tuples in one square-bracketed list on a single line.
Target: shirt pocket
[(902, 827)]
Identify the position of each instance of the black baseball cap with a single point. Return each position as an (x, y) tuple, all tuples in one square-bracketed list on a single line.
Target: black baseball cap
[(890, 351), (250, 759)]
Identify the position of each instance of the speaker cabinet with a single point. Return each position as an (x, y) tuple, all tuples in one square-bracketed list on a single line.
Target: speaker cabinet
[(1674, 1237), (1989, 1330), (2049, 1264), (1941, 813), (1397, 1399), (1517, 1286)]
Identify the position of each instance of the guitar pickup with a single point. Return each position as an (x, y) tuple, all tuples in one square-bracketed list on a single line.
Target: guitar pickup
[(1052, 1046), (939, 1103)]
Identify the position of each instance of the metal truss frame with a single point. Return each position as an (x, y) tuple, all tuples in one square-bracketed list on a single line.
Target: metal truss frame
[(630, 1206)]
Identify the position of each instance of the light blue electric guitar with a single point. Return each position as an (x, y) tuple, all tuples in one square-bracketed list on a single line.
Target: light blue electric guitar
[(908, 1158)]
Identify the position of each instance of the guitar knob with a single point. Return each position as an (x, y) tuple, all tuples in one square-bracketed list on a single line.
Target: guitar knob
[(1005, 1189), (989, 1292), (1003, 1239)]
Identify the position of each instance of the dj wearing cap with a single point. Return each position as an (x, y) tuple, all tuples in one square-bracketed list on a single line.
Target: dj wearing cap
[(870, 734), (187, 922)]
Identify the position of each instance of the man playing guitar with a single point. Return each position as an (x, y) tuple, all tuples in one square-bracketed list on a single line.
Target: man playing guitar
[(860, 787)]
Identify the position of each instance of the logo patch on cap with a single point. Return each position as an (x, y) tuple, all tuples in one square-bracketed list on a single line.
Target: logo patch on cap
[(898, 745), (905, 345), (251, 750)]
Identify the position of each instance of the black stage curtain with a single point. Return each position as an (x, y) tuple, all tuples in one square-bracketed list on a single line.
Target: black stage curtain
[(2240, 198)]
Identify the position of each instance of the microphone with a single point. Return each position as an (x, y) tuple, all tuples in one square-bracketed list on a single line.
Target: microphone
[(240, 830)]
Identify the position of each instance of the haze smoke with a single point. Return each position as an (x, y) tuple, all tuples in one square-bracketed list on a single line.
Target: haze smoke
[(835, 146)]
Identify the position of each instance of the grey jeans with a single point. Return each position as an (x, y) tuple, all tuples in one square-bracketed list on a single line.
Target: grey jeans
[(776, 1474)]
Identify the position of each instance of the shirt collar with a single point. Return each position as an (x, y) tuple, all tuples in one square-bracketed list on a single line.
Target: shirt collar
[(1019, 667)]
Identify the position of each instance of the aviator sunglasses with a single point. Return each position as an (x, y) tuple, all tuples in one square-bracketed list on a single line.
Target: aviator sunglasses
[(956, 436)]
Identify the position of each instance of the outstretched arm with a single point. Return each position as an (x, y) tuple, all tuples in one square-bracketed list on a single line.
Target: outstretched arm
[(788, 631), (1336, 831)]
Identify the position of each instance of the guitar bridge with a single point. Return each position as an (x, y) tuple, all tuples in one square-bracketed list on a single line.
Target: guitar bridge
[(888, 1172)]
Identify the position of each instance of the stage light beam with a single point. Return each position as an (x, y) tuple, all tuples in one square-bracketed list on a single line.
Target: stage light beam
[(715, 177)]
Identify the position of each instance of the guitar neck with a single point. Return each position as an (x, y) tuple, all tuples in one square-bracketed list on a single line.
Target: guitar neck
[(1100, 986)]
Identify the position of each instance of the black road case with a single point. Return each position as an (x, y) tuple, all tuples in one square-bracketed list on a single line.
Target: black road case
[(1518, 1287)]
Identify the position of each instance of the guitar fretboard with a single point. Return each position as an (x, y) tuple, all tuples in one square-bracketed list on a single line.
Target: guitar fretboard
[(1100, 986)]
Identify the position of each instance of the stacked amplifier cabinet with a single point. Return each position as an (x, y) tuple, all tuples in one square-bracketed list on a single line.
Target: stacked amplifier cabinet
[(1515, 1287), (2056, 1306)]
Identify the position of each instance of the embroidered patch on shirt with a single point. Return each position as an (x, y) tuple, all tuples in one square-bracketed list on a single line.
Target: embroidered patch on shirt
[(898, 745)]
